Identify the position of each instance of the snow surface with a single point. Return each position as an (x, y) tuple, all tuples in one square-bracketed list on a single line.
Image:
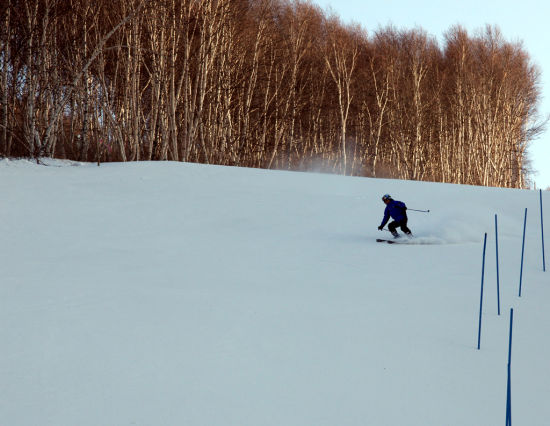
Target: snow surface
[(184, 294)]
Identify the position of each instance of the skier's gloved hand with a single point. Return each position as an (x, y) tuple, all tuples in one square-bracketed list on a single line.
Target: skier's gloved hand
[(380, 227)]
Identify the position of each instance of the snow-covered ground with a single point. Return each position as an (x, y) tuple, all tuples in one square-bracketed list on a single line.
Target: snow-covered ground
[(184, 294)]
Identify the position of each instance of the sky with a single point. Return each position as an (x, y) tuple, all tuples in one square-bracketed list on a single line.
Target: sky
[(525, 21)]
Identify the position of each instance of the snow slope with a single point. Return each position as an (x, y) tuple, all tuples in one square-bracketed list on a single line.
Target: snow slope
[(184, 294)]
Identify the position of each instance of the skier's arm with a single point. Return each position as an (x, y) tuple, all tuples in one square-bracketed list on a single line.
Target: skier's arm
[(386, 218)]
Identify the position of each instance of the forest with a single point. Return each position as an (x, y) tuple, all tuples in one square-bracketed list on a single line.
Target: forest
[(276, 84)]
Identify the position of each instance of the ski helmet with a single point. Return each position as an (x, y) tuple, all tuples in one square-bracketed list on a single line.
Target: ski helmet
[(386, 197)]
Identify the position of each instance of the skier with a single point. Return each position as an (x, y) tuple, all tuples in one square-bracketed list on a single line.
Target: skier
[(398, 212)]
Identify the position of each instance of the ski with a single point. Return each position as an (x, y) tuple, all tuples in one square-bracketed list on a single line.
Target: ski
[(402, 240), (380, 240)]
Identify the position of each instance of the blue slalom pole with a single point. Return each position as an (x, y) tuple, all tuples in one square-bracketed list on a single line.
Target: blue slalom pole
[(481, 297), (509, 384), (522, 251), (542, 232), (498, 279), (509, 400)]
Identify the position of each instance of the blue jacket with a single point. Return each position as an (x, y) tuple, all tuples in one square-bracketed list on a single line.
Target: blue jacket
[(397, 210)]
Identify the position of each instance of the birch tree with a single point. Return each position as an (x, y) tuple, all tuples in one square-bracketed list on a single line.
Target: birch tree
[(342, 50)]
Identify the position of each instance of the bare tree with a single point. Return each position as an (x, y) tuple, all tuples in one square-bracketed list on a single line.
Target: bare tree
[(263, 83), (342, 50), (5, 58)]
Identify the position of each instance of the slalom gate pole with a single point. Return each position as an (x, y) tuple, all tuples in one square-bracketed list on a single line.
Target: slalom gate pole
[(481, 297), (422, 211), (542, 233), (498, 279), (509, 381), (508, 400), (522, 251)]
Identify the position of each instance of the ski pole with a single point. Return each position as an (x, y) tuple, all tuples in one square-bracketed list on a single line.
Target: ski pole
[(422, 211)]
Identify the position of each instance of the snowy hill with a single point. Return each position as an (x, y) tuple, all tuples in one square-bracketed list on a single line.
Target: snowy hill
[(184, 294)]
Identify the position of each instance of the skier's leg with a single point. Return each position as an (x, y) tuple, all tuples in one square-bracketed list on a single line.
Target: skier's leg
[(404, 227), (392, 226)]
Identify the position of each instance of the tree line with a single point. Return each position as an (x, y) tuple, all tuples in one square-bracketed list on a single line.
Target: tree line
[(263, 83)]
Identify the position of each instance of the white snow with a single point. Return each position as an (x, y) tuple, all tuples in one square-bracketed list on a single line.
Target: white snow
[(185, 294)]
